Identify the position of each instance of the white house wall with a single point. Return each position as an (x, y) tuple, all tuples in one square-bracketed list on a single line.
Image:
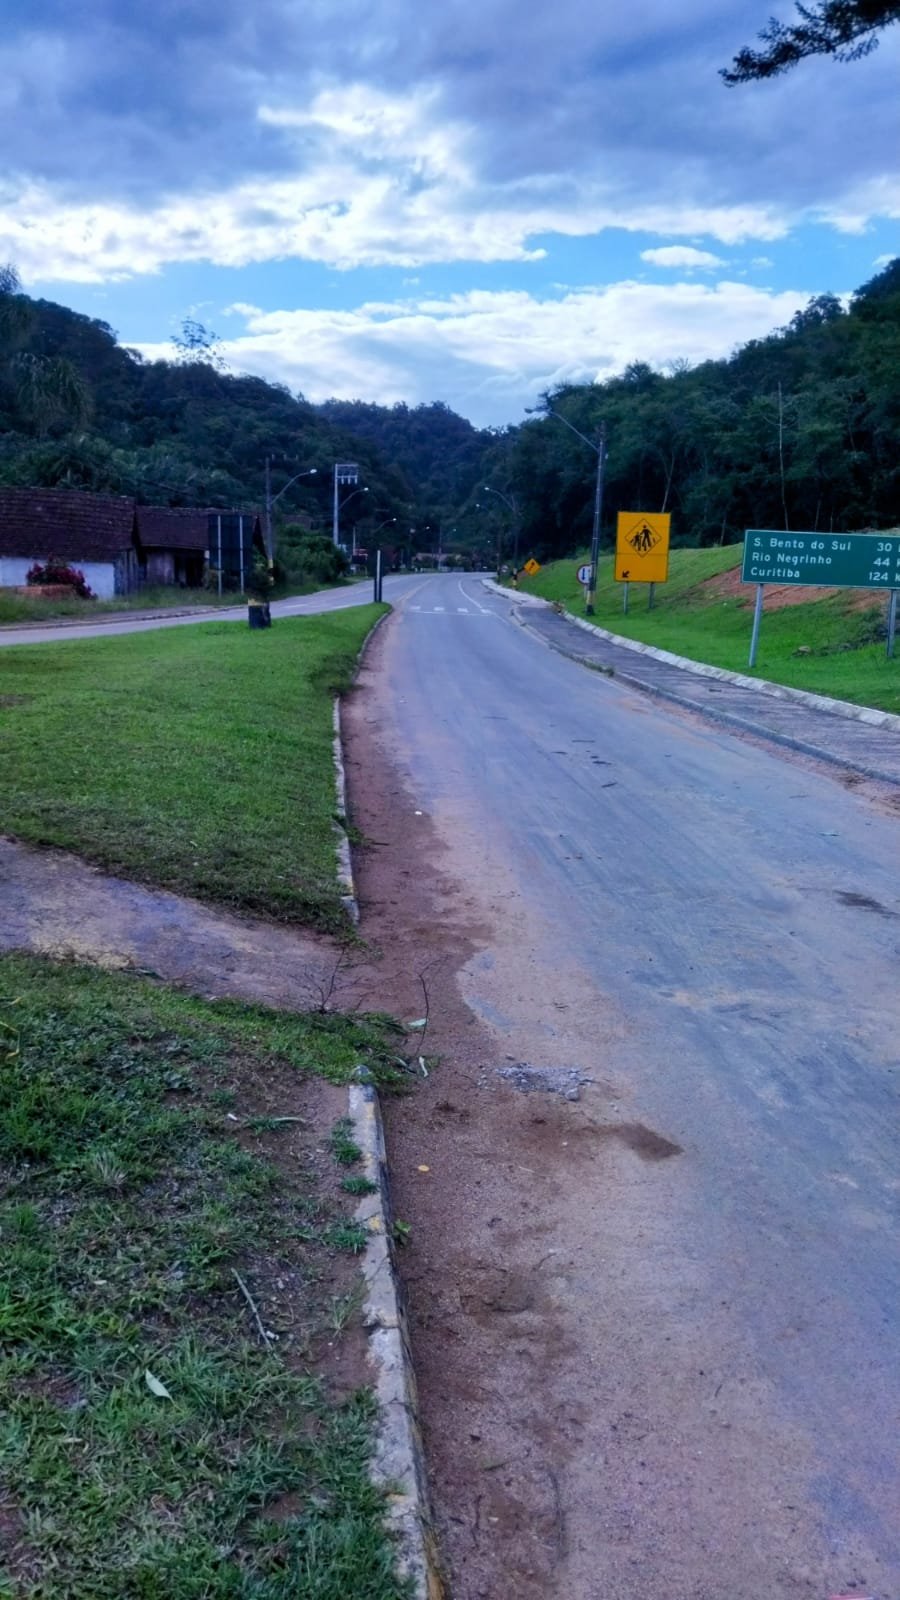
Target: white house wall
[(99, 575)]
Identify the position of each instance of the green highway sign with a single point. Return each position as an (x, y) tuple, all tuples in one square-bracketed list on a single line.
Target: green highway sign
[(824, 560)]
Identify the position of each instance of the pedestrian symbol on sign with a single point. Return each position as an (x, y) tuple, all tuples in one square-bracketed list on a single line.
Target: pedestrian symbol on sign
[(643, 539)]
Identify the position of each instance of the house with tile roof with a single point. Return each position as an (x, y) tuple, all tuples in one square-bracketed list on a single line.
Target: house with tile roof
[(94, 532), (174, 543)]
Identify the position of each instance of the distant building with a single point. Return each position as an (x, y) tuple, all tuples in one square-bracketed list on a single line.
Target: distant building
[(174, 542), (94, 532), (119, 545)]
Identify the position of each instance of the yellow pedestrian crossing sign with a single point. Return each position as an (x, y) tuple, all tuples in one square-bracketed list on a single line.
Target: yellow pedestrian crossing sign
[(642, 546), (532, 567)]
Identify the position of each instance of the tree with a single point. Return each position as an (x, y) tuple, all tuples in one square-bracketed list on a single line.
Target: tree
[(197, 345), (50, 391), (845, 29)]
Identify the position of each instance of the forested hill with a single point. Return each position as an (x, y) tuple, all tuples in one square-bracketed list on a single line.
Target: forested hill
[(440, 453), (800, 429), (79, 409)]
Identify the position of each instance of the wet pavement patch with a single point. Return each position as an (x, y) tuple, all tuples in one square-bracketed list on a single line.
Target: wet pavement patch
[(863, 902), (644, 1142)]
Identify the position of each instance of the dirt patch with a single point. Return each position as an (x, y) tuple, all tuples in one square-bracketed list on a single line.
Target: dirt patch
[(54, 904), (728, 586)]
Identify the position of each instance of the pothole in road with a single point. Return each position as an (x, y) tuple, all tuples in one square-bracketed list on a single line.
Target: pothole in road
[(567, 1082)]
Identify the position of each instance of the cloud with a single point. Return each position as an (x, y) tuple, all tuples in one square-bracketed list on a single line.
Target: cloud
[(681, 256), (387, 132), (385, 184), (490, 354)]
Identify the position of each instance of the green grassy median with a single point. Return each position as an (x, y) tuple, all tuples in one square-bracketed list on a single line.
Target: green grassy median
[(834, 645), (197, 759), (177, 1281)]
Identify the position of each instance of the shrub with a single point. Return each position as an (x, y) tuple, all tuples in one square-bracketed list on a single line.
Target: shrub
[(310, 557), (53, 571)]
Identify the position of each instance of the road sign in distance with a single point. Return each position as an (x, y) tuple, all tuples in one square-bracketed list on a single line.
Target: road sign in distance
[(584, 573), (642, 546), (532, 567), (822, 560)]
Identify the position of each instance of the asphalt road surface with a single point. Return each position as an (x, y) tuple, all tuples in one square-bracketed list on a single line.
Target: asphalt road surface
[(676, 1375), (395, 586)]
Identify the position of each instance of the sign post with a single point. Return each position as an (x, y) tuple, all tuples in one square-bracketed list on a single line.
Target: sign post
[(757, 619), (822, 561)]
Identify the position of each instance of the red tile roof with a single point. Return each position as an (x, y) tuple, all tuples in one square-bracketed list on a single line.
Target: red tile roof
[(172, 528), (65, 523)]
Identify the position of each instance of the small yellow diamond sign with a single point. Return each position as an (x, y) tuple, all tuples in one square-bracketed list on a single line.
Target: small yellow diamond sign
[(531, 567), (642, 547)]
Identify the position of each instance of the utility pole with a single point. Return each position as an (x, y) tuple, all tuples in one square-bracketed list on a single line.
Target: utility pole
[(598, 511), (344, 472), (270, 553)]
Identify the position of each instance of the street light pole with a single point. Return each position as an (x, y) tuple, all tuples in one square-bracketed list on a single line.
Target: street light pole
[(510, 501), (600, 449), (272, 500)]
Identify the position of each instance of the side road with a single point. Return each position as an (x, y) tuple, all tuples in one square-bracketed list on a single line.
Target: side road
[(110, 626), (841, 739)]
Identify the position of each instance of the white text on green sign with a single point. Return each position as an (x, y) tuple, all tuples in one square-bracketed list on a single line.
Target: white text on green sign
[(822, 560)]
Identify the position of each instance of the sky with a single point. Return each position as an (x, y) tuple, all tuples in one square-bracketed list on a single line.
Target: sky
[(470, 202)]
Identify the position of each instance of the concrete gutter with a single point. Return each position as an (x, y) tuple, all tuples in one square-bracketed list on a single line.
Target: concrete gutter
[(702, 669), (398, 1467)]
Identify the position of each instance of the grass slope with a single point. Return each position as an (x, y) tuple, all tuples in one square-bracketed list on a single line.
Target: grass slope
[(198, 759), (131, 1199), (846, 641)]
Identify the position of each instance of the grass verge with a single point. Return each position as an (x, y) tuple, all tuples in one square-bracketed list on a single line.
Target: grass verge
[(840, 639), (155, 1179), (159, 597), (197, 759)]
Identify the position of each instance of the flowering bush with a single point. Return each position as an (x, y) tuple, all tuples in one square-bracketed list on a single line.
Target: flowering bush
[(53, 571)]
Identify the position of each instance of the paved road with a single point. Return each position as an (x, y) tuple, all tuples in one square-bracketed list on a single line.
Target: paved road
[(709, 931), (395, 587), (872, 751)]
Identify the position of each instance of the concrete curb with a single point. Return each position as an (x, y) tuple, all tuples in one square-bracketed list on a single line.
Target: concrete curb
[(702, 669), (344, 860), (399, 1464)]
